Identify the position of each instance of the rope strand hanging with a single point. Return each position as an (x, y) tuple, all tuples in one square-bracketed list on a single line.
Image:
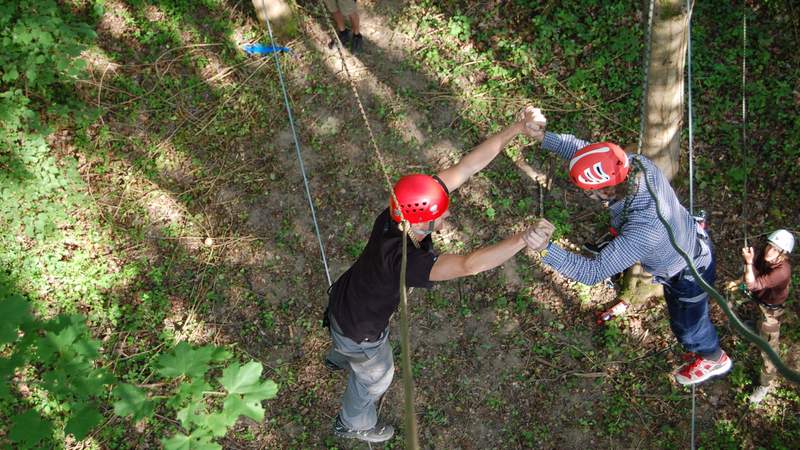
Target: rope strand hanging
[(744, 123)]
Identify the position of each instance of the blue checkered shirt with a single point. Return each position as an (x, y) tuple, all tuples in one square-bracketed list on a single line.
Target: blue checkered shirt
[(642, 238)]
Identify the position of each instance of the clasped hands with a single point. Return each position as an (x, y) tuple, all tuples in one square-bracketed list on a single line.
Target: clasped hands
[(537, 236), (533, 122)]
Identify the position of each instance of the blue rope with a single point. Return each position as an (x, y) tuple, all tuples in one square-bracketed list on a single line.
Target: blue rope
[(299, 156)]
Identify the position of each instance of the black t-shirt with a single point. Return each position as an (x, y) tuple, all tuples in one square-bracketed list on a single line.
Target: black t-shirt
[(363, 299)]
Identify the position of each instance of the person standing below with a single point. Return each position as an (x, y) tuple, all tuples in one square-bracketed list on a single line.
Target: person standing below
[(340, 9), (363, 299), (767, 276), (607, 174)]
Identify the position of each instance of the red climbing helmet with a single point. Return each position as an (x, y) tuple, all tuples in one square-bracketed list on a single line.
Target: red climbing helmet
[(421, 198), (599, 165)]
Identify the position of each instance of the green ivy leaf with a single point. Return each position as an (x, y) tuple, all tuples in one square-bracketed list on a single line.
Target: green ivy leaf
[(132, 401), (83, 421), (185, 360), (29, 428)]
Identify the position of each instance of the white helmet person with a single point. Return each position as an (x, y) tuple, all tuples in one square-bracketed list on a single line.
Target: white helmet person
[(782, 240)]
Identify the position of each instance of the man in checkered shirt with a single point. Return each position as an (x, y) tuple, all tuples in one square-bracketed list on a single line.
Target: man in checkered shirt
[(606, 173)]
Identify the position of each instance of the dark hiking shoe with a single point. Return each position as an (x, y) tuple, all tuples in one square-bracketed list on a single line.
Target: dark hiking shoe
[(357, 44), (378, 433), (332, 365), (344, 36)]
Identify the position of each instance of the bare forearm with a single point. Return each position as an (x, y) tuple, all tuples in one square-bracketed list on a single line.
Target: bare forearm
[(749, 276), (479, 157), (491, 256)]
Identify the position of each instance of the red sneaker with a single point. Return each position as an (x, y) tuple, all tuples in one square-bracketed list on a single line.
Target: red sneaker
[(699, 369)]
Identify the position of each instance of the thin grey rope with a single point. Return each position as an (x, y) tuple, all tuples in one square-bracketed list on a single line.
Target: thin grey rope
[(693, 415), (299, 156), (646, 75), (744, 123), (689, 10)]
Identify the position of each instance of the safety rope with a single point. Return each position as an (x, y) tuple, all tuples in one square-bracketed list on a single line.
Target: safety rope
[(297, 149), (694, 413), (743, 330), (646, 75), (689, 10), (411, 435), (744, 123)]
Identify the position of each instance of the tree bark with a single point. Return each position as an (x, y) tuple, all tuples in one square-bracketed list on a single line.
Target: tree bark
[(663, 115), (665, 86), (279, 14)]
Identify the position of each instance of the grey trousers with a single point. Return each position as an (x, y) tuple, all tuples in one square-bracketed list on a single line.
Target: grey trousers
[(370, 367)]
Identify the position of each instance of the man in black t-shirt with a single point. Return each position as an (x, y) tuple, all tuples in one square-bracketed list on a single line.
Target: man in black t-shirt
[(363, 299)]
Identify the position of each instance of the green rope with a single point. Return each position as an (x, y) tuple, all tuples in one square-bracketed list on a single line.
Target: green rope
[(412, 439), (743, 330)]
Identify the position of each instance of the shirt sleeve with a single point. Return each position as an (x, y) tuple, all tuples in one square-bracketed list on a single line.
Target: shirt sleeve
[(621, 253), (777, 278), (562, 145), (418, 269)]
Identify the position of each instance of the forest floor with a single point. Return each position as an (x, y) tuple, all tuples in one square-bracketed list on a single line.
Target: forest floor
[(202, 221)]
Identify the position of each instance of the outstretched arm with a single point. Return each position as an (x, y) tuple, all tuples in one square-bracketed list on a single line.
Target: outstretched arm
[(562, 145), (483, 154), (450, 266)]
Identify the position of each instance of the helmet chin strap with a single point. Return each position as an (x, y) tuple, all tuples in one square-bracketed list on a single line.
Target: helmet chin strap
[(427, 232)]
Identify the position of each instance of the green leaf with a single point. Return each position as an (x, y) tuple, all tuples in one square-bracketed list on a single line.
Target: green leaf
[(15, 311), (29, 428), (57, 343), (191, 391), (236, 406), (241, 379), (83, 421), (11, 75), (178, 442), (199, 440), (185, 360), (218, 423), (132, 401)]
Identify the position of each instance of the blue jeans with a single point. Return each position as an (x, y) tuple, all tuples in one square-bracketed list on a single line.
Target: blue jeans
[(687, 304)]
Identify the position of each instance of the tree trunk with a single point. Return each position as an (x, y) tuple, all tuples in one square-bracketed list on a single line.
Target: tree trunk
[(664, 96), (279, 14), (663, 118)]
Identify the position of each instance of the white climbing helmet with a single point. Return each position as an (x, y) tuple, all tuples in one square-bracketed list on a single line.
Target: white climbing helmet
[(782, 239)]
